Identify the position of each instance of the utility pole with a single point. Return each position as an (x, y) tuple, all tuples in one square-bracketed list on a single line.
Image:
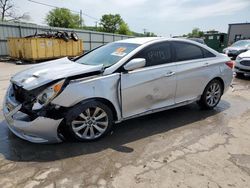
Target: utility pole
[(80, 18)]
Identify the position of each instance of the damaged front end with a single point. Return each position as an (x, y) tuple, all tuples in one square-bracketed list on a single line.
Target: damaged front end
[(30, 115), (28, 106)]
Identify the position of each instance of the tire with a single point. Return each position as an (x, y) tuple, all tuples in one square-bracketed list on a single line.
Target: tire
[(211, 95), (74, 36), (239, 75), (65, 37), (89, 121)]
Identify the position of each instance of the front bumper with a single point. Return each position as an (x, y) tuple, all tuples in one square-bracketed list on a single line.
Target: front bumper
[(39, 130), (239, 68)]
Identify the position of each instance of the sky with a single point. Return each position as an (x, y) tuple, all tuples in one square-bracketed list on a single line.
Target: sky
[(163, 17)]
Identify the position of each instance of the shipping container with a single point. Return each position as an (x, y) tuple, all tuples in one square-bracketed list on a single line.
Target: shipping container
[(216, 40), (35, 49)]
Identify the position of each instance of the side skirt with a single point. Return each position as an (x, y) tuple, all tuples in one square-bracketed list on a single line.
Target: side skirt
[(159, 109)]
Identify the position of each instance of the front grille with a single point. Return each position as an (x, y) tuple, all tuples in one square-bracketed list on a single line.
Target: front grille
[(245, 63), (19, 93)]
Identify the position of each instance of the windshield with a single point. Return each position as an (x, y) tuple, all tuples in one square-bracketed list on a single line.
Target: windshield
[(108, 54), (241, 43)]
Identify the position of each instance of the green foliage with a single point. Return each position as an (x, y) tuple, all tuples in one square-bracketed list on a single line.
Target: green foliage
[(62, 17), (124, 29), (196, 33), (150, 34), (111, 22)]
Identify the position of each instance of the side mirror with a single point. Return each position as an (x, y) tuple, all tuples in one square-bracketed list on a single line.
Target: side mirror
[(135, 64)]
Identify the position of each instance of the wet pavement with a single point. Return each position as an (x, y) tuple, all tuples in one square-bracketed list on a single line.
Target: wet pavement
[(183, 147)]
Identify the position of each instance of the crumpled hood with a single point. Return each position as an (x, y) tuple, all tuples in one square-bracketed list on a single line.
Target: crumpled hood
[(47, 72)]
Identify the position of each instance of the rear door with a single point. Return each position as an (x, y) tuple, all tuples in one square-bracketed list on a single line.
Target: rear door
[(151, 87), (193, 70)]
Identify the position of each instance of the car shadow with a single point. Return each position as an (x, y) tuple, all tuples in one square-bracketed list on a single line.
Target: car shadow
[(15, 149)]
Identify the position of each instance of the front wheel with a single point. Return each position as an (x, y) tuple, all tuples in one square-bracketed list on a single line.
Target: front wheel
[(89, 121), (211, 95)]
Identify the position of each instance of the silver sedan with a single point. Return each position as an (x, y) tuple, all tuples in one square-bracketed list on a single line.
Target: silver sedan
[(83, 98)]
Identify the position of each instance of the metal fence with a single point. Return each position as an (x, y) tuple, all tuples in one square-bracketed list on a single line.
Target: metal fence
[(91, 39)]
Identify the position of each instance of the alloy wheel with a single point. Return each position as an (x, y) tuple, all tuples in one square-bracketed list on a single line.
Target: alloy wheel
[(213, 94), (91, 123)]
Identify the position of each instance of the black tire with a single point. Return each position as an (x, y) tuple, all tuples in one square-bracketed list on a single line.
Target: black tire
[(204, 102), (65, 37), (239, 75), (73, 116), (74, 36)]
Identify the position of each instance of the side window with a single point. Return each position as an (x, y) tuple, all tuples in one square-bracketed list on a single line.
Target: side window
[(156, 54), (207, 54), (185, 51)]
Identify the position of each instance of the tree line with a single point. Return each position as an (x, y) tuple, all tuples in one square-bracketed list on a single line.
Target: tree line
[(63, 17), (110, 23)]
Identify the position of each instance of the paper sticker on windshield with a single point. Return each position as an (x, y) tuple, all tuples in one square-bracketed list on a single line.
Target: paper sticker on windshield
[(120, 52)]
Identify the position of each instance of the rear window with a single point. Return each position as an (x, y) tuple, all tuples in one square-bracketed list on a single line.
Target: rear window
[(207, 54), (185, 51)]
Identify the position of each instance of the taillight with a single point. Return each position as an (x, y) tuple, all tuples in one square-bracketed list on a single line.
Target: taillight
[(230, 64)]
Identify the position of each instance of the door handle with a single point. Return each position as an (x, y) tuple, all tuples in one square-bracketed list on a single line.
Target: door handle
[(168, 74)]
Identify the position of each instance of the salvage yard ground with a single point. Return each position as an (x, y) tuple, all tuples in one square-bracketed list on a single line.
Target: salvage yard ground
[(183, 147)]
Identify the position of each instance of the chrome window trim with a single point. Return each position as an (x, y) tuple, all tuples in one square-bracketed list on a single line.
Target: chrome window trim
[(124, 60)]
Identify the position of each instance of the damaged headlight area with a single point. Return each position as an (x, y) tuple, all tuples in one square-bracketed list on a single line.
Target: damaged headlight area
[(46, 96)]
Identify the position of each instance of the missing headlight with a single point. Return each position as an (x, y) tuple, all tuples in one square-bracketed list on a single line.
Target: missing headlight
[(48, 95)]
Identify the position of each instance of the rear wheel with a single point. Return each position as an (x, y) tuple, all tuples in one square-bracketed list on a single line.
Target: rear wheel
[(89, 121), (211, 95)]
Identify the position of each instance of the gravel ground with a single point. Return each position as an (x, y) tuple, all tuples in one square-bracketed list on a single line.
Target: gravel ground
[(183, 147)]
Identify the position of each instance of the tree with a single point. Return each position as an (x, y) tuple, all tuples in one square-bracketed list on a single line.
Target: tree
[(113, 23), (124, 29), (8, 12), (149, 34), (62, 17), (110, 23), (196, 33)]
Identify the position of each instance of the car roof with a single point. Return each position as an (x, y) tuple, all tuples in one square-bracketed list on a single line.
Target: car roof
[(139, 40), (150, 40), (144, 40), (248, 40)]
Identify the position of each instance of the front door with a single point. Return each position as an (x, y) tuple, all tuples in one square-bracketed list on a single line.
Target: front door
[(151, 87)]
